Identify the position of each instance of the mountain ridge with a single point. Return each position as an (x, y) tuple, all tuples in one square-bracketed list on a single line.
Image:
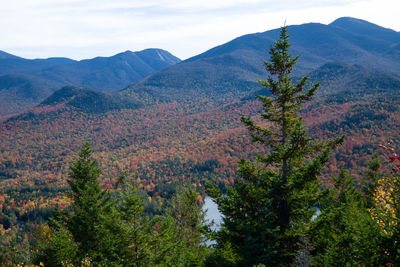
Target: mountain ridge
[(101, 73), (235, 66)]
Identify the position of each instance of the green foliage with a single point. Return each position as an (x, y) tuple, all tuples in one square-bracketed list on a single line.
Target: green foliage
[(14, 247), (79, 234), (267, 212), (56, 247), (89, 203), (344, 233), (188, 229), (142, 241), (371, 180), (248, 235), (104, 229)]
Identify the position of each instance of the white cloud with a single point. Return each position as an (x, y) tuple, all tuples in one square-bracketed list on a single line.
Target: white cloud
[(87, 28)]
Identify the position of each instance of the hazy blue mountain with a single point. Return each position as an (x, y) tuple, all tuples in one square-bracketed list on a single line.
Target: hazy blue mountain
[(18, 65), (4, 55), (362, 27), (111, 73), (102, 73), (30, 81), (355, 79), (19, 92), (234, 67), (343, 82)]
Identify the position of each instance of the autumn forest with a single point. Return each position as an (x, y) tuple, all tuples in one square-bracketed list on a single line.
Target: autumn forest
[(299, 154)]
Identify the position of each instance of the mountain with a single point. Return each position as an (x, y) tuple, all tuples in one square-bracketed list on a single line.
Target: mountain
[(89, 101), (354, 79), (101, 73), (4, 55), (233, 68), (365, 28), (19, 92), (70, 99), (182, 124), (110, 73)]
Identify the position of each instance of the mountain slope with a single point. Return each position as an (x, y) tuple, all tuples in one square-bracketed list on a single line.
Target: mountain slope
[(47, 75), (362, 27), (4, 55), (20, 92), (353, 79), (111, 73), (89, 101), (233, 68)]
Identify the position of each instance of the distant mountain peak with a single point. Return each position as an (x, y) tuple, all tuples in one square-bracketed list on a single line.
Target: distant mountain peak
[(127, 52), (163, 55), (350, 20), (364, 27)]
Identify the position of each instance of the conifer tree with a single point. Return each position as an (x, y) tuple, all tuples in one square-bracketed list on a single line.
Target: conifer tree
[(104, 229), (144, 241), (79, 233), (267, 212), (371, 179), (89, 201), (188, 222)]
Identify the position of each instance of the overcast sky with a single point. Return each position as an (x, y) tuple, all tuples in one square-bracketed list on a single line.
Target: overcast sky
[(87, 28)]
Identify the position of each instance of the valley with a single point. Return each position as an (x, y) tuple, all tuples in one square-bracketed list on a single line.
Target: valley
[(182, 124)]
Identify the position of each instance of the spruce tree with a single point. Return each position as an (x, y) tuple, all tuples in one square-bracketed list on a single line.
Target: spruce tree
[(144, 240), (80, 233), (267, 211), (88, 201), (188, 222)]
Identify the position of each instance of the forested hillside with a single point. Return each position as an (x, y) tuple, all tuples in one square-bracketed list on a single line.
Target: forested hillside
[(182, 125)]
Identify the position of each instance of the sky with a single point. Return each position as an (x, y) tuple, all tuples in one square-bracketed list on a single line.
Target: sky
[(82, 29)]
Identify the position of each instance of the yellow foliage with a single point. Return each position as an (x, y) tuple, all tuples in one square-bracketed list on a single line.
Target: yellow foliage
[(384, 213)]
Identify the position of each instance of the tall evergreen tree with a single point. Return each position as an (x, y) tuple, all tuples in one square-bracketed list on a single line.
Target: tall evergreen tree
[(144, 241), (267, 212), (89, 202), (81, 228)]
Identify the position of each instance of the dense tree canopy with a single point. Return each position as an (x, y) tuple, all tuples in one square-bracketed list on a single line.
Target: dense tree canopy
[(104, 228)]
